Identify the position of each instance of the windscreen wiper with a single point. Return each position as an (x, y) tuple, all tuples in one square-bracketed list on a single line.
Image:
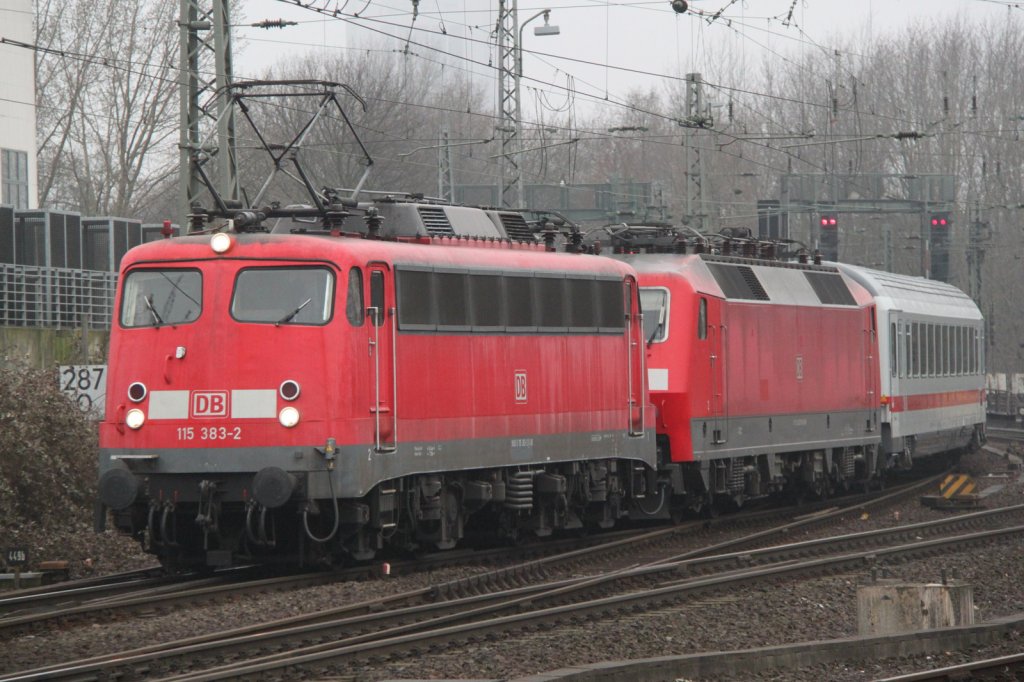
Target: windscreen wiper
[(289, 316), (149, 304)]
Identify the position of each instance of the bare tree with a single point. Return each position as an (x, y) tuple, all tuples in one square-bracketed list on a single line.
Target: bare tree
[(107, 94)]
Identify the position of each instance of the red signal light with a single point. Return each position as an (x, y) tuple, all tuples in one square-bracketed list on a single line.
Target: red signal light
[(940, 221), (829, 221)]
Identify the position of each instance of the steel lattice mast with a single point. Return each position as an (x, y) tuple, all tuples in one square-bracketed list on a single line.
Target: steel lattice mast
[(509, 172), (205, 103)]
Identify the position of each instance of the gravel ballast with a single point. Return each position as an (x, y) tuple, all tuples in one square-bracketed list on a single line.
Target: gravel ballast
[(786, 611)]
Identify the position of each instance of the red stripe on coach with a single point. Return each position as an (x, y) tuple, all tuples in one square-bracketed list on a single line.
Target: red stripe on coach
[(931, 401)]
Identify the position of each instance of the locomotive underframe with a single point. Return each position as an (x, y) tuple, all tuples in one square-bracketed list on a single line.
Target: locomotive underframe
[(213, 519), (195, 520)]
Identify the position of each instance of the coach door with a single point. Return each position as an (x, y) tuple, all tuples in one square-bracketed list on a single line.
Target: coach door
[(871, 370), (382, 327), (636, 351)]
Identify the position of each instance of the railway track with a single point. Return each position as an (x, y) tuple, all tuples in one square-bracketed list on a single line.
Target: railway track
[(552, 605), (403, 617), (148, 591), (1005, 433), (1001, 668)]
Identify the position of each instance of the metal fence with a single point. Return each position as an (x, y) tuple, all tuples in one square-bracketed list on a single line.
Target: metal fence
[(61, 298)]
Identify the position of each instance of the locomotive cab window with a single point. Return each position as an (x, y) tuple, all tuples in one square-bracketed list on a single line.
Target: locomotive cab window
[(154, 298), (654, 304), (377, 297), (284, 296), (702, 319), (354, 298)]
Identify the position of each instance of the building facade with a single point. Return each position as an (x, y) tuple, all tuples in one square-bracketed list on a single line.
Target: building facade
[(17, 107)]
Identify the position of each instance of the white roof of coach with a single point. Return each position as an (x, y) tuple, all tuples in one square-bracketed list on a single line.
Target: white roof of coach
[(915, 295)]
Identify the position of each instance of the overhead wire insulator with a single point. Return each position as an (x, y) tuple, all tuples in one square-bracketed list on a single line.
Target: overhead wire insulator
[(274, 23)]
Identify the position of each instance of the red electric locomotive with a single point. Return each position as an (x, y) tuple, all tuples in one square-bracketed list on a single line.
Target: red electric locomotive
[(312, 397), (764, 376)]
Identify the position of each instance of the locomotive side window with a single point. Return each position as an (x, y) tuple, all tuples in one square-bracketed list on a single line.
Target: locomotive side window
[(486, 302), (452, 300), (519, 303), (551, 303), (611, 311), (354, 299), (153, 298), (284, 296), (415, 299), (654, 304), (527, 302), (582, 304)]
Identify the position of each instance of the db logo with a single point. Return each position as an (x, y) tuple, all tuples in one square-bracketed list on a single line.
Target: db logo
[(520, 379), (209, 404)]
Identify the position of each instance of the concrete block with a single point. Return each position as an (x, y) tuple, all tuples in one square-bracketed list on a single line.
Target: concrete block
[(892, 607)]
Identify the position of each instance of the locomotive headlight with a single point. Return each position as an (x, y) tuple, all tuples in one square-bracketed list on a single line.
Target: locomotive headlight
[(135, 419), (221, 242), (288, 416)]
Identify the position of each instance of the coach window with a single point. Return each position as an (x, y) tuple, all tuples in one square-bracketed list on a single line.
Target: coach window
[(912, 341), (944, 348), (975, 355), (153, 298), (354, 298), (964, 366), (930, 349), (954, 350), (966, 335), (951, 334)]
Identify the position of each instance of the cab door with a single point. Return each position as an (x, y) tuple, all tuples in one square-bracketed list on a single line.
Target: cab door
[(718, 336), (636, 350), (382, 329)]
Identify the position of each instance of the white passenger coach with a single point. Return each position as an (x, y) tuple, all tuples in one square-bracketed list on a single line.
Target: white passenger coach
[(931, 341)]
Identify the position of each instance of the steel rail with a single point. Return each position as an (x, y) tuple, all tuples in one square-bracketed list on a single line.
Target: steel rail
[(968, 671), (411, 618), (400, 639)]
